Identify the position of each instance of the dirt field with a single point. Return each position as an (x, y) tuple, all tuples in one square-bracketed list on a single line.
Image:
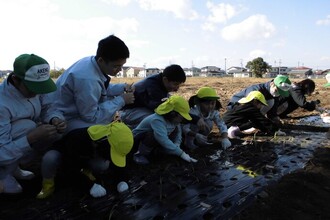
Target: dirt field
[(172, 189), (304, 194)]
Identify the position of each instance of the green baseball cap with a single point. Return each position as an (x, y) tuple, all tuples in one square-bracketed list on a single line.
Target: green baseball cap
[(34, 72), (283, 85)]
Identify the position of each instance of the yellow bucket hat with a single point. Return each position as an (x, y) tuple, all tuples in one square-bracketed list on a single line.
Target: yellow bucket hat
[(253, 95), (207, 93), (120, 138), (174, 103)]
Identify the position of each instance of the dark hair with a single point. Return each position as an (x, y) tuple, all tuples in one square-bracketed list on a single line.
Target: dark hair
[(194, 100), (112, 48), (307, 85), (174, 73), (170, 115)]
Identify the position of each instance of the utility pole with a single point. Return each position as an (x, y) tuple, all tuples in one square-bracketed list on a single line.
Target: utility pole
[(279, 67), (225, 65)]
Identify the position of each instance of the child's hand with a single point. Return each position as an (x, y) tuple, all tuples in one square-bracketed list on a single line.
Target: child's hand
[(225, 143), (187, 158), (201, 124), (201, 138)]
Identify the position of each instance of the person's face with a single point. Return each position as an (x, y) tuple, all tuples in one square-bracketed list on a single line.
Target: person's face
[(177, 119), (207, 106), (23, 89), (257, 104), (274, 90), (111, 68), (171, 86)]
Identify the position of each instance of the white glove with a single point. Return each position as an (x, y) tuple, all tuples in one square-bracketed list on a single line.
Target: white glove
[(225, 143), (97, 191), (202, 139), (187, 158), (122, 186), (280, 133)]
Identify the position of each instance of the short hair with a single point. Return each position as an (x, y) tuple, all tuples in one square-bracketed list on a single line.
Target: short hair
[(174, 73), (308, 85), (112, 48), (194, 100)]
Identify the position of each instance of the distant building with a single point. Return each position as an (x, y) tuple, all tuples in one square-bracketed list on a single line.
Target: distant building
[(194, 71), (4, 73), (236, 69), (274, 71), (300, 72), (242, 74), (211, 71), (132, 72)]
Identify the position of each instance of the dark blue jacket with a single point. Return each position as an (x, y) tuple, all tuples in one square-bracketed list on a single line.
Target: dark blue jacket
[(264, 88), (149, 92)]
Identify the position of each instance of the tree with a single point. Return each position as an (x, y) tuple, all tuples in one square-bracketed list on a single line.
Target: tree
[(258, 66), (56, 73)]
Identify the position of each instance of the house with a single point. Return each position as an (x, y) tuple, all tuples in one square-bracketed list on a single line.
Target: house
[(274, 71), (242, 74), (132, 72), (211, 71), (151, 71), (194, 71), (300, 72), (236, 69)]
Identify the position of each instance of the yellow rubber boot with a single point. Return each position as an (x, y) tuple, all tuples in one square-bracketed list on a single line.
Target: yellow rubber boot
[(48, 187)]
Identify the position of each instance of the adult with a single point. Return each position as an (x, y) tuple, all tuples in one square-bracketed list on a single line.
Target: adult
[(86, 97), (26, 124), (271, 90), (297, 98)]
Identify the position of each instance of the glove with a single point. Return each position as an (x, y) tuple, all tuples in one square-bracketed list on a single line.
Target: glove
[(122, 186), (202, 139), (97, 191), (225, 143), (187, 158), (280, 133)]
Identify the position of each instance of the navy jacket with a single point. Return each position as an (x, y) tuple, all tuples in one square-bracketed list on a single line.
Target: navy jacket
[(264, 88)]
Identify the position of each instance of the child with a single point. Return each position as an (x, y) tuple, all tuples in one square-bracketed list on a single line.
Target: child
[(297, 98), (150, 92), (163, 128), (206, 105), (246, 115), (91, 153), (271, 90)]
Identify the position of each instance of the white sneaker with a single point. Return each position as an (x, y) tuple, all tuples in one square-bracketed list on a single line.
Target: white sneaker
[(23, 174), (10, 185), (233, 131), (97, 191)]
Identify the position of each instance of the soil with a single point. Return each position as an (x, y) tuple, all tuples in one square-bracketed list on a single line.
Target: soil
[(258, 178)]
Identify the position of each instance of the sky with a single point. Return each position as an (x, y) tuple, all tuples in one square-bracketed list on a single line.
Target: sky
[(162, 32)]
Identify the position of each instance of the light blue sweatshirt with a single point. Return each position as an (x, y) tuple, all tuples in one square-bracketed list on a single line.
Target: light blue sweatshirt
[(82, 97), (14, 107), (161, 129)]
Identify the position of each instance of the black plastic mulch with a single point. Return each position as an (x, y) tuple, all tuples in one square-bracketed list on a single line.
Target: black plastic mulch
[(170, 188)]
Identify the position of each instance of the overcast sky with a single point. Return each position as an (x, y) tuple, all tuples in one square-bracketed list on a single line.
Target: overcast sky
[(162, 32)]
